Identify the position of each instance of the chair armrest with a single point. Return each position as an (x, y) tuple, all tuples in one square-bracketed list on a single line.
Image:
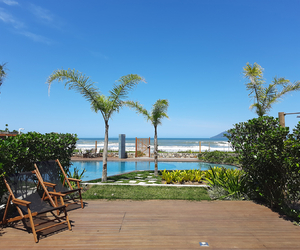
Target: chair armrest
[(57, 194), (49, 184), (21, 202), (72, 179)]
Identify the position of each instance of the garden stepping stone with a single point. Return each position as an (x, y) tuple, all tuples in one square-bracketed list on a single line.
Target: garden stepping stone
[(132, 181), (142, 183)]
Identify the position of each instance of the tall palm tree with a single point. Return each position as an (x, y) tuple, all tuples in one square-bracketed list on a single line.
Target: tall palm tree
[(107, 105), (265, 97), (157, 113)]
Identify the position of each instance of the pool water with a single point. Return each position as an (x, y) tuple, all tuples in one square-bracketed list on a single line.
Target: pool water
[(94, 168)]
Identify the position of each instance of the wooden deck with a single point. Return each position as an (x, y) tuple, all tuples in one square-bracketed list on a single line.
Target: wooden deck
[(164, 225)]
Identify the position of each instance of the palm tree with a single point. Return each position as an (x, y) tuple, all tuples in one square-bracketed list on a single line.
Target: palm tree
[(158, 112), (107, 105), (2, 73), (265, 97)]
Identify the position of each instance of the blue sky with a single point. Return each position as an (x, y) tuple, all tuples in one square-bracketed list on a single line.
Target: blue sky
[(190, 52)]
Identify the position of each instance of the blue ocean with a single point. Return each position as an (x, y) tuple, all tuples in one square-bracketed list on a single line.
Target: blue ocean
[(164, 144)]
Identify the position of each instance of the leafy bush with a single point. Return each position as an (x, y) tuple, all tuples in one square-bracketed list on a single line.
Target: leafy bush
[(18, 153), (180, 176), (271, 164), (232, 182), (219, 157)]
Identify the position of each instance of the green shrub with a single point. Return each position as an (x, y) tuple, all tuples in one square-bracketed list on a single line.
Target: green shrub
[(180, 176), (271, 163), (232, 181), (219, 157), (18, 153)]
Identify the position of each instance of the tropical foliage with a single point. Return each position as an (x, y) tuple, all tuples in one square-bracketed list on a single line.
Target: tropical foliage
[(155, 116), (219, 157), (74, 175), (3, 73), (265, 97), (181, 176), (230, 183), (106, 105), (270, 162)]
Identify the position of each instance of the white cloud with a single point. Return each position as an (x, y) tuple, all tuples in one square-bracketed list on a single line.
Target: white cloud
[(7, 18), (35, 37), (20, 27), (9, 2), (41, 13)]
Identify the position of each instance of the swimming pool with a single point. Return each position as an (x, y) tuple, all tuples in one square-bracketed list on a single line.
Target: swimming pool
[(94, 168)]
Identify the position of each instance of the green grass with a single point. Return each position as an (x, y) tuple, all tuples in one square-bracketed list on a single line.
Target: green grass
[(131, 176), (113, 192)]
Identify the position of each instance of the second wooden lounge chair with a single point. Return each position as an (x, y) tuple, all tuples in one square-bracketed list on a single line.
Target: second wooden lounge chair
[(55, 179)]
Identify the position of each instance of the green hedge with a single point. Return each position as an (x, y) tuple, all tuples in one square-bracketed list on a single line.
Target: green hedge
[(270, 157), (18, 153), (219, 157)]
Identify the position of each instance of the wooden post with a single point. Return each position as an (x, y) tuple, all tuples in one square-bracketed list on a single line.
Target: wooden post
[(149, 146), (135, 146), (95, 147), (200, 147), (281, 118)]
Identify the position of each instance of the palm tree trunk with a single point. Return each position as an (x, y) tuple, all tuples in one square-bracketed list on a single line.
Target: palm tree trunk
[(105, 149), (155, 152)]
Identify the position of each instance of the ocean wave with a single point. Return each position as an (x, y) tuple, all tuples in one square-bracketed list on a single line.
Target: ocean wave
[(172, 145)]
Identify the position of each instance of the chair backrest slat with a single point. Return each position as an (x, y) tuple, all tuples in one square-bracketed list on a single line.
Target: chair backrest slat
[(23, 186), (51, 171)]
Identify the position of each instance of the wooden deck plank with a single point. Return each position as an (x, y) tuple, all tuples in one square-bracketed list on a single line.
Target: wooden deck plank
[(164, 225)]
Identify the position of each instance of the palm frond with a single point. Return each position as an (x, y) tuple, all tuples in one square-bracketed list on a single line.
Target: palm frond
[(120, 91), (3, 73), (159, 111), (289, 88), (138, 108), (254, 74), (77, 81)]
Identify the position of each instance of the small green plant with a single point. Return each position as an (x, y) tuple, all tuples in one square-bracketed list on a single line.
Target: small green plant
[(180, 176), (231, 180), (199, 175), (167, 176), (75, 175)]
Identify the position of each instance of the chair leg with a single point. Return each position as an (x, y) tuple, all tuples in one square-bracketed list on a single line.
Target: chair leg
[(81, 199), (32, 225), (67, 219), (6, 209)]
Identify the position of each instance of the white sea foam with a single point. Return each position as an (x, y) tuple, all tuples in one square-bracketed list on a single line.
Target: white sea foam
[(164, 145)]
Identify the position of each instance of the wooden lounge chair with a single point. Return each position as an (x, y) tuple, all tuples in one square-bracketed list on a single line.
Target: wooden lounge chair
[(24, 195), (55, 179)]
